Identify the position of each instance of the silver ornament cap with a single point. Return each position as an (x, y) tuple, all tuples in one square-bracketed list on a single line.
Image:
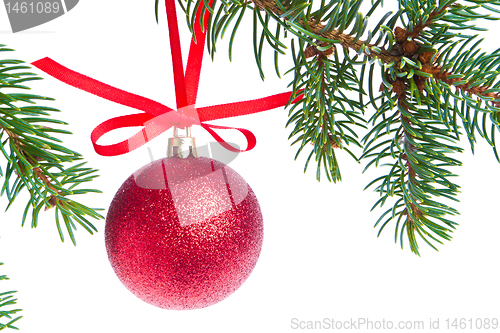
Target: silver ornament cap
[(182, 146)]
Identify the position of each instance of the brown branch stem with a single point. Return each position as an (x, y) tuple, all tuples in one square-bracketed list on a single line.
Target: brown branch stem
[(437, 73), (37, 172), (412, 174), (347, 41)]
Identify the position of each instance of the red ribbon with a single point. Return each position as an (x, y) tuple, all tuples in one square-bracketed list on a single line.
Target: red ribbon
[(158, 117)]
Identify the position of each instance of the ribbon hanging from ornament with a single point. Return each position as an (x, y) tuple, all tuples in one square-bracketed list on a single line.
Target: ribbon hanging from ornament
[(157, 117)]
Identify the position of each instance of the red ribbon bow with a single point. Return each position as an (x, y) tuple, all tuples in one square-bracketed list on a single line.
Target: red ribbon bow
[(158, 117)]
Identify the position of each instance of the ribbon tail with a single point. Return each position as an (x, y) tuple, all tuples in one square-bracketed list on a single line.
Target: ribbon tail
[(239, 109), (243, 108), (98, 88)]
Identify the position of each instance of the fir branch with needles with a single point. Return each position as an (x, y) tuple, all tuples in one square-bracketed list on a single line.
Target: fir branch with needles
[(437, 85), (36, 160), (8, 316), (38, 163)]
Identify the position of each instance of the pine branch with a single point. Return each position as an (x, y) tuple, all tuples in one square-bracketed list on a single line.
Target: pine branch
[(417, 175), (325, 118), (6, 300), (36, 161), (414, 175), (423, 51), (324, 34)]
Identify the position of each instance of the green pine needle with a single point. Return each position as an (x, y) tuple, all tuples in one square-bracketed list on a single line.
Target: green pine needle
[(36, 161), (8, 316), (434, 86)]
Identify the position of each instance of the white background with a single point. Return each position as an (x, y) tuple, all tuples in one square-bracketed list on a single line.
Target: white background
[(321, 257)]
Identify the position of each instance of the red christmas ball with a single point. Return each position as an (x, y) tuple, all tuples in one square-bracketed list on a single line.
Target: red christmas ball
[(184, 233)]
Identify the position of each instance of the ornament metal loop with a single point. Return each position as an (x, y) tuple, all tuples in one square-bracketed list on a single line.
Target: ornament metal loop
[(182, 146)]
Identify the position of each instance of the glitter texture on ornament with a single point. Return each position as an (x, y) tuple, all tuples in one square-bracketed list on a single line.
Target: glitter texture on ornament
[(184, 233)]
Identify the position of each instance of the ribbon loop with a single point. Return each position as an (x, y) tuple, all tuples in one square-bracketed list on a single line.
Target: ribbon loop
[(252, 141), (157, 117)]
